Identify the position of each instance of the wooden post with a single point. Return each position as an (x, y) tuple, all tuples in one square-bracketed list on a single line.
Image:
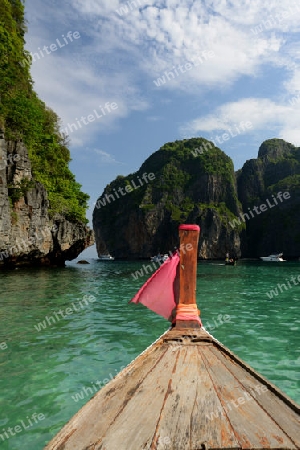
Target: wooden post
[(187, 312)]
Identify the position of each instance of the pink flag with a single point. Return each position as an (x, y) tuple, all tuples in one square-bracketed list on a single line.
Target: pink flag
[(158, 293)]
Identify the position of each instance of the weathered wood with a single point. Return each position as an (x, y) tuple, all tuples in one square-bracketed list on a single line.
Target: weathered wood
[(216, 434), (252, 426), (136, 426), (184, 393), (286, 418), (95, 418), (189, 238), (192, 395), (188, 264)]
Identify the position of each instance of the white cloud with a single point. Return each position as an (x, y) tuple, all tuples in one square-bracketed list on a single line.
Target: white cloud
[(76, 90), (106, 158), (292, 85), (169, 33), (77, 79), (94, 7), (154, 118), (118, 56), (261, 112)]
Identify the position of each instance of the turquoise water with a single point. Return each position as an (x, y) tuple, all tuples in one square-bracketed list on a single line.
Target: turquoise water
[(54, 371)]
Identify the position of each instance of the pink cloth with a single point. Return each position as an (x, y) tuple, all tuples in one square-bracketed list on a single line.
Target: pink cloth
[(157, 293)]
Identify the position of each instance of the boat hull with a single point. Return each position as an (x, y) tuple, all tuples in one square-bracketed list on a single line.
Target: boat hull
[(268, 259), (185, 392)]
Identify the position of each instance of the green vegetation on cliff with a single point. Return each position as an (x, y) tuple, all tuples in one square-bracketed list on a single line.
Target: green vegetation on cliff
[(177, 182), (186, 187), (24, 116), (186, 173), (277, 169)]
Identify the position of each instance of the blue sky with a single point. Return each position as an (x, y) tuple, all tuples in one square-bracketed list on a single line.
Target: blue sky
[(231, 62)]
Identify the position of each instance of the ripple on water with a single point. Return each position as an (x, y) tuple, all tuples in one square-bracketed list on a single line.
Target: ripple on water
[(43, 371)]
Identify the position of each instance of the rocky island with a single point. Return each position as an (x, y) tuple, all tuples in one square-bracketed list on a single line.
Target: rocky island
[(250, 213), (273, 179), (189, 181)]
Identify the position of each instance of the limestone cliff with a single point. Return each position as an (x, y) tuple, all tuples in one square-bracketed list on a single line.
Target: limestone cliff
[(189, 181), (263, 181), (28, 234)]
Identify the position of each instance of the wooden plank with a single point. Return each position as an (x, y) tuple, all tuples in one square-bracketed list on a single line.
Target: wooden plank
[(217, 433), (94, 419), (177, 395), (252, 426), (287, 400), (287, 419), (136, 427), (191, 394)]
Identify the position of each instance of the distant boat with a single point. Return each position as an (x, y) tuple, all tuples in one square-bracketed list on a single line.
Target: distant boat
[(159, 258), (229, 261), (275, 257), (106, 258)]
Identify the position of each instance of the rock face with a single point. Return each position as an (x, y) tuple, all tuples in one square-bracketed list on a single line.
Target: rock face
[(138, 216), (28, 236), (266, 181)]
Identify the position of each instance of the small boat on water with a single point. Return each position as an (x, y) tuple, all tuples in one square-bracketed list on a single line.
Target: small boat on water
[(107, 257), (275, 257), (229, 261), (187, 391)]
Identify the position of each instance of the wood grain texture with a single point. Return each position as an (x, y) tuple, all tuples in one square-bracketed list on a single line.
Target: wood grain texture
[(286, 419), (188, 266), (186, 392)]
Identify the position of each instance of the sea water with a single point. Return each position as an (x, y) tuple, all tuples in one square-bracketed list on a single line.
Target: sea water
[(65, 333)]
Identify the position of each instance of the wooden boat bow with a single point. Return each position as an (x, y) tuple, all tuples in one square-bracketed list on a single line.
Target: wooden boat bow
[(187, 391)]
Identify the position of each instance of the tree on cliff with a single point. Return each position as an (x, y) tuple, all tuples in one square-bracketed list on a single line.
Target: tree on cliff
[(138, 218), (23, 116)]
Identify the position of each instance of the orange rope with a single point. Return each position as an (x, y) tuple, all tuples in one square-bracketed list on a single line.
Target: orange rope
[(187, 309), (188, 312)]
